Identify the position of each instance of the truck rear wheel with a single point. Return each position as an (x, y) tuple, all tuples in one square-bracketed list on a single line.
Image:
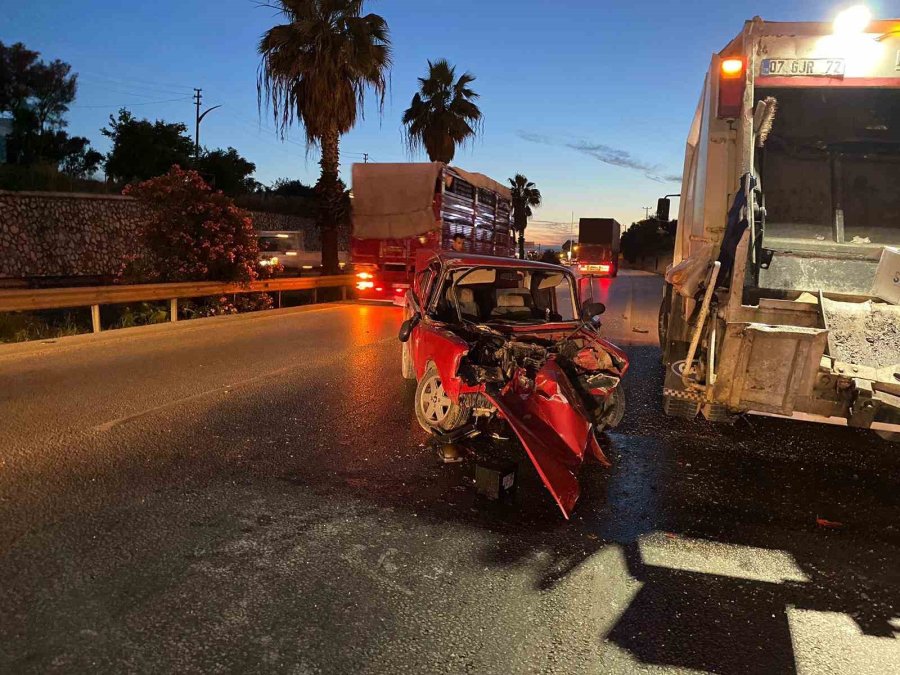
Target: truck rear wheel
[(662, 327)]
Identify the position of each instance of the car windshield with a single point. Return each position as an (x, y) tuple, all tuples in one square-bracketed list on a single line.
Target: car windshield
[(504, 295), (269, 244)]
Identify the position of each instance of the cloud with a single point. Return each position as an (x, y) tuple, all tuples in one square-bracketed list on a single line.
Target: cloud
[(604, 153), (535, 138)]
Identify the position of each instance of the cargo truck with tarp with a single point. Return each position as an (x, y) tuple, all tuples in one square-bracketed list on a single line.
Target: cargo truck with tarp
[(784, 294), (598, 247), (399, 209)]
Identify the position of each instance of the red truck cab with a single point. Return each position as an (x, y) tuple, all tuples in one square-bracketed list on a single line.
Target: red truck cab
[(400, 209)]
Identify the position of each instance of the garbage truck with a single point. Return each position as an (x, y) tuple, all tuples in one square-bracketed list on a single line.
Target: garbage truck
[(783, 297)]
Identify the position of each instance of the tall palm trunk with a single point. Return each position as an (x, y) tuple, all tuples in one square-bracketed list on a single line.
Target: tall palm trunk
[(331, 201), (521, 221)]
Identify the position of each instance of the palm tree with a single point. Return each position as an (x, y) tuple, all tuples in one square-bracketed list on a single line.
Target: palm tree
[(316, 68), (442, 114), (524, 196)]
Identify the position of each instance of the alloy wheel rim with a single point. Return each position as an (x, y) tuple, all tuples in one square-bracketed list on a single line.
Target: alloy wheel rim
[(434, 402)]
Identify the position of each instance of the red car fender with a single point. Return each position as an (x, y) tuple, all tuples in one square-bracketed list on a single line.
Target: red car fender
[(553, 427), (437, 345)]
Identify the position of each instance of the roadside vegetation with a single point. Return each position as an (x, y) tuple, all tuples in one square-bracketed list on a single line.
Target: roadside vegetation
[(648, 238), (525, 196)]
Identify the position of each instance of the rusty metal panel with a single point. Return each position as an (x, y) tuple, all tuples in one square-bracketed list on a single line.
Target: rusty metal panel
[(767, 368)]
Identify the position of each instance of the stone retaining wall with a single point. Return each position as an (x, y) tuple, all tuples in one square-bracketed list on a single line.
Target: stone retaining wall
[(54, 234), (58, 234)]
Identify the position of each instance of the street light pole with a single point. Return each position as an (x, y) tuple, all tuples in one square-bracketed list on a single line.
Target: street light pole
[(198, 96)]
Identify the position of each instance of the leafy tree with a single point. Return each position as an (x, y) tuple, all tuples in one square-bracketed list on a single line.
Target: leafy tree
[(646, 238), (77, 159), (227, 171), (194, 233), (37, 95), (442, 114), (550, 256), (284, 187), (524, 196), (316, 68), (142, 149)]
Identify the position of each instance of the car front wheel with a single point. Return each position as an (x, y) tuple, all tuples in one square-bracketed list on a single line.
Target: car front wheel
[(435, 411), (613, 409)]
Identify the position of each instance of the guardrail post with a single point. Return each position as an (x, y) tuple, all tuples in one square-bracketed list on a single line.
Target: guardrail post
[(95, 318), (315, 295), (173, 310)]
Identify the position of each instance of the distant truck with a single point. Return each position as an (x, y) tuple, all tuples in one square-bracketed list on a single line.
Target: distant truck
[(399, 209), (598, 247), (784, 295)]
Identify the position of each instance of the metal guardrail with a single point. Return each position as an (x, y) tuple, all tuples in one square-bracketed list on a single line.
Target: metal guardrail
[(18, 300)]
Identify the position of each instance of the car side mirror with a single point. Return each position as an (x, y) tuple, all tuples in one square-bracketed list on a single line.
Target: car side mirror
[(406, 328), (591, 309)]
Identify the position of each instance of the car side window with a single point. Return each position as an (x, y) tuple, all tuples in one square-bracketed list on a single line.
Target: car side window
[(428, 289), (420, 289)]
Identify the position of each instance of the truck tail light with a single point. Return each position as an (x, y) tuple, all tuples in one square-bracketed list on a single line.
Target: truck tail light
[(732, 80)]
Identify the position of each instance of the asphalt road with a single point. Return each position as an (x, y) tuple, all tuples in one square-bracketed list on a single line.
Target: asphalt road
[(252, 494)]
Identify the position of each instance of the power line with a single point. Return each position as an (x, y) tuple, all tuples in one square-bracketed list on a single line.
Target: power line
[(167, 87), (118, 90), (129, 105)]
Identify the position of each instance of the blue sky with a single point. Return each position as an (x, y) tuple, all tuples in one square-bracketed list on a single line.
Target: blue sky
[(591, 100)]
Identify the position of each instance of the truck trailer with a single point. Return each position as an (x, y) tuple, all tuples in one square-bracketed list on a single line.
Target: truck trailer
[(598, 247), (399, 209), (784, 295)]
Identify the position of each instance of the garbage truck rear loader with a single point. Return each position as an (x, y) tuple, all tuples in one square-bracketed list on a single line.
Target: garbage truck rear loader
[(784, 294)]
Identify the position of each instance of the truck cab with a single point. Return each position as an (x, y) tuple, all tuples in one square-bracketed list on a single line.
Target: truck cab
[(788, 226)]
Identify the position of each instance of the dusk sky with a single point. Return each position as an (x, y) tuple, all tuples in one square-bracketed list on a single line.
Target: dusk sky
[(591, 100)]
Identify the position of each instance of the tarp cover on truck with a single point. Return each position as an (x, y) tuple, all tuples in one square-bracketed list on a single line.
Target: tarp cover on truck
[(394, 201)]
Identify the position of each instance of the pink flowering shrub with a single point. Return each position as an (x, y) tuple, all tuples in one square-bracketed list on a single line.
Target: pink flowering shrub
[(193, 234)]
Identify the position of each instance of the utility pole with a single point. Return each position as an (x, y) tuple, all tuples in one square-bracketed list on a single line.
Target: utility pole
[(198, 96), (365, 158), (646, 212)]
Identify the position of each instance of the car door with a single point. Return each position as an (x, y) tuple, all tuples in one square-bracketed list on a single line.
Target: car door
[(418, 300)]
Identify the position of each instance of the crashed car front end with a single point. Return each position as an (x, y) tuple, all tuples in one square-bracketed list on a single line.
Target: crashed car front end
[(554, 383)]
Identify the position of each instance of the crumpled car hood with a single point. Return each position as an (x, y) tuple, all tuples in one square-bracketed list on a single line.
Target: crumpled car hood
[(553, 426)]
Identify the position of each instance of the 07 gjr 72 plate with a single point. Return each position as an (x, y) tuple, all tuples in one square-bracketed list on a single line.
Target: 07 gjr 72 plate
[(802, 68)]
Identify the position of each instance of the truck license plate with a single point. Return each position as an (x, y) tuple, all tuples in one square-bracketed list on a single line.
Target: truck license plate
[(802, 67)]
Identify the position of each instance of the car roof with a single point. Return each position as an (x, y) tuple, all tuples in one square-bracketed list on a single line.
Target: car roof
[(454, 259)]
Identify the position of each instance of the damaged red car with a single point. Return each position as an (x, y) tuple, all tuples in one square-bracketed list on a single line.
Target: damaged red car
[(496, 338)]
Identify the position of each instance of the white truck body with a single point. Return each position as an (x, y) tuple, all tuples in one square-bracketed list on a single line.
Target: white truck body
[(797, 132)]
